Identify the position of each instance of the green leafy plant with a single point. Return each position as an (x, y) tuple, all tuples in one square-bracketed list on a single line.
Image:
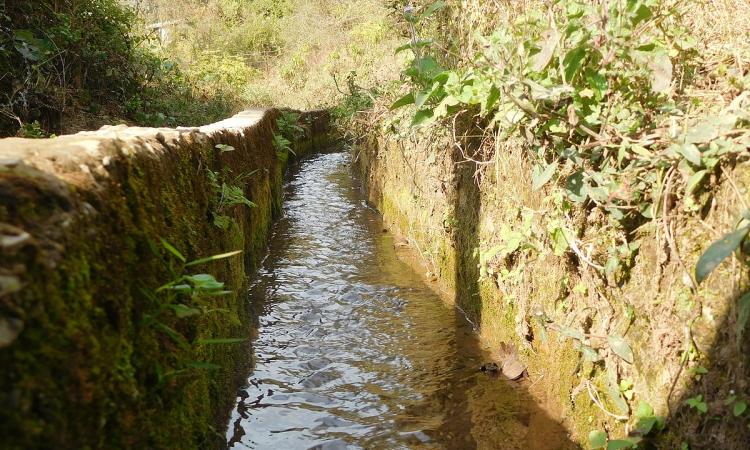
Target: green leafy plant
[(722, 249), (228, 194), (738, 404), (698, 404), (187, 295)]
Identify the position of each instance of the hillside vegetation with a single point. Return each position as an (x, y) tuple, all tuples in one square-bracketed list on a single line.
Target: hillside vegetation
[(629, 120), (77, 64)]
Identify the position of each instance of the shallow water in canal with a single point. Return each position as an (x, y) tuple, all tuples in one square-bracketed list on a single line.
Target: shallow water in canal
[(353, 350)]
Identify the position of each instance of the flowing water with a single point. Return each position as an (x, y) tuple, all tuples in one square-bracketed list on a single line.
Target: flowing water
[(354, 351)]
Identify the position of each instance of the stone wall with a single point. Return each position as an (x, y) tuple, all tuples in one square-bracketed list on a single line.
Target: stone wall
[(685, 343), (91, 355)]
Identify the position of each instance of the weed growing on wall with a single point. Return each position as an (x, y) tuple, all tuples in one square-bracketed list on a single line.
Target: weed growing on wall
[(607, 100), (188, 295)]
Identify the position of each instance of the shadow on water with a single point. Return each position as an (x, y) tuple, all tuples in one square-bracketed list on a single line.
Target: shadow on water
[(354, 350)]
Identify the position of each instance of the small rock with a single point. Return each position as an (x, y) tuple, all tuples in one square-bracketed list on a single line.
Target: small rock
[(512, 367)]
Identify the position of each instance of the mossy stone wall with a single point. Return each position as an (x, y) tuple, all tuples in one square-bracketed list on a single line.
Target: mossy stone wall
[(81, 217), (453, 210)]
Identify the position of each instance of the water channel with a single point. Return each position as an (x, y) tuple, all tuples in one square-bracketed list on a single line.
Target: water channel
[(354, 351)]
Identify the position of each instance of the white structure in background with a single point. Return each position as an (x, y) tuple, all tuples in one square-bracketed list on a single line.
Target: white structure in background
[(164, 29), (150, 9)]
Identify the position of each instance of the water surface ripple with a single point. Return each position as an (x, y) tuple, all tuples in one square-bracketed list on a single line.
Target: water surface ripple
[(353, 350)]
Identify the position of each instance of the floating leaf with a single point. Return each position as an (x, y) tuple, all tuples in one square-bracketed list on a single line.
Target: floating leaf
[(718, 252), (540, 176), (223, 148), (621, 348), (597, 439)]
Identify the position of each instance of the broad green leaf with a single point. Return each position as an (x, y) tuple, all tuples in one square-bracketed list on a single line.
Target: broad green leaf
[(619, 444), (573, 61), (560, 242), (488, 101), (743, 312), (644, 410), (423, 117), (403, 101), (621, 348), (589, 354), (694, 181), (660, 66), (412, 45), (213, 258), (219, 341), (645, 424), (710, 128), (428, 67), (421, 98), (718, 252), (691, 153), (572, 333), (173, 250), (542, 59), (183, 311), (204, 281), (597, 439), (576, 187), (432, 9), (739, 408), (540, 176), (641, 13)]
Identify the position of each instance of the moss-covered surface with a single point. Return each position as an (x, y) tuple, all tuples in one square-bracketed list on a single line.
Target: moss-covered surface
[(86, 361), (429, 194)]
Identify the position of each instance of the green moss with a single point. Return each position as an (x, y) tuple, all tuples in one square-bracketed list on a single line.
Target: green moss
[(85, 371)]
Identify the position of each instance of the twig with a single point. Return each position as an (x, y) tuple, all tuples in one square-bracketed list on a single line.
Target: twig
[(597, 402), (668, 233)]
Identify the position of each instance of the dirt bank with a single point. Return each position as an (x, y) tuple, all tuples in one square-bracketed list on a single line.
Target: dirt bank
[(484, 233)]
